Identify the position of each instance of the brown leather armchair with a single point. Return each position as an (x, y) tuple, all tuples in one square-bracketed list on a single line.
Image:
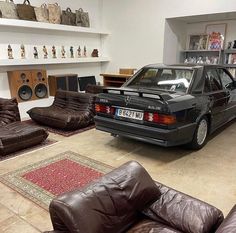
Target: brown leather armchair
[(69, 111), (128, 200), (14, 134)]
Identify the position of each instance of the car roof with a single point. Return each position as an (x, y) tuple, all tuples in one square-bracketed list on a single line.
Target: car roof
[(181, 66)]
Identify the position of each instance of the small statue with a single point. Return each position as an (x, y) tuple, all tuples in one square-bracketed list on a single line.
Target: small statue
[(94, 53), (79, 51), (10, 52), (208, 61), (229, 45), (54, 52), (234, 46), (45, 52), (22, 51), (71, 52), (63, 52), (85, 51), (36, 55)]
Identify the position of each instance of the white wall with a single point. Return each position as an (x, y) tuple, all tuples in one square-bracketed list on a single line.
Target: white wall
[(138, 26), (39, 38)]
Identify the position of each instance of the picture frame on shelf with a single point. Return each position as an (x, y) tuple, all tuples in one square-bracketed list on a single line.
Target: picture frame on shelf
[(216, 33), (197, 42)]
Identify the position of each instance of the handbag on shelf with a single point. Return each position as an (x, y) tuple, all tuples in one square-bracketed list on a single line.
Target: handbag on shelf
[(42, 13), (26, 11), (68, 17), (8, 10), (82, 18), (54, 11)]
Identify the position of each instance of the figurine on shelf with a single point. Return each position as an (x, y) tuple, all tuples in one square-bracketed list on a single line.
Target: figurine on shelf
[(200, 60), (45, 52), (234, 46), (10, 52), (229, 45), (63, 52), (71, 52), (22, 51), (79, 51), (54, 52), (85, 51), (36, 55), (94, 53), (208, 61)]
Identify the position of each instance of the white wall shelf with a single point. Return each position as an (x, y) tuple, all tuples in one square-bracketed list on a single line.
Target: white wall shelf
[(22, 62), (16, 23)]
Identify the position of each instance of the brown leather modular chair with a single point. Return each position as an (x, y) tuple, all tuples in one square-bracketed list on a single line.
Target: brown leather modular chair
[(14, 134), (69, 111), (94, 89), (128, 200)]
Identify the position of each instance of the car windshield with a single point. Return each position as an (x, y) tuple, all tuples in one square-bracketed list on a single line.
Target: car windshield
[(177, 80)]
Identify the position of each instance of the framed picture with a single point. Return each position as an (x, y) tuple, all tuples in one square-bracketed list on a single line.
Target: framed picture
[(198, 42), (216, 33)]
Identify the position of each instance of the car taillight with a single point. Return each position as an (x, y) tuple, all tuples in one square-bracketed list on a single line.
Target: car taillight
[(159, 118), (104, 109)]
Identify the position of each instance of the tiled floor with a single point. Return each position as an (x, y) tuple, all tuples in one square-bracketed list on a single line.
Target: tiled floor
[(208, 174)]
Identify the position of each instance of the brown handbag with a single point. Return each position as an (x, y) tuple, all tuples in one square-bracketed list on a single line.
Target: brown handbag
[(82, 18), (68, 17), (54, 11), (26, 11)]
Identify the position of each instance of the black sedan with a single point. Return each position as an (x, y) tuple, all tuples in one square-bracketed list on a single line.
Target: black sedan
[(169, 105)]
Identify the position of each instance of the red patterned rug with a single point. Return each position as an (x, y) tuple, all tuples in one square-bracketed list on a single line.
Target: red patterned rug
[(44, 144), (59, 131), (42, 181)]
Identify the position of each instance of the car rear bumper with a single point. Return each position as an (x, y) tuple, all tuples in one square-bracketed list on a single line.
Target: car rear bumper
[(158, 136)]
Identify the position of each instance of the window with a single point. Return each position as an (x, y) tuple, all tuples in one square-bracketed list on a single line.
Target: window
[(225, 79), (166, 79), (214, 80)]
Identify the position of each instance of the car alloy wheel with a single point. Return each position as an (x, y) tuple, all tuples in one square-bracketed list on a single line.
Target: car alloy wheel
[(202, 131)]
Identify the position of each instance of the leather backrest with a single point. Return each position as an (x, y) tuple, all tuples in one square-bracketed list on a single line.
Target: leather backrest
[(109, 205), (74, 100), (184, 212), (9, 111), (229, 224)]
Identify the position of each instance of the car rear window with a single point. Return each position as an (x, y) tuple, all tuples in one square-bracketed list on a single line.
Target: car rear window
[(177, 80)]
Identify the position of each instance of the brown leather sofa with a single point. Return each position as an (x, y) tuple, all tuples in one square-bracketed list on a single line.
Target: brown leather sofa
[(94, 89), (128, 200), (69, 111), (14, 134)]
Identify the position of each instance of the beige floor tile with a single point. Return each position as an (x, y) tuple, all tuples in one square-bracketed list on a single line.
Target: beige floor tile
[(5, 213), (16, 225)]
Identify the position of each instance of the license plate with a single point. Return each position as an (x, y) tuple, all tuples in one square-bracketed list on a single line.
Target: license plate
[(136, 115)]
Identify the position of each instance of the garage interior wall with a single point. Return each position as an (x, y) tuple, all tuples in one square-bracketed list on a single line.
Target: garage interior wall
[(49, 38), (138, 35), (138, 28)]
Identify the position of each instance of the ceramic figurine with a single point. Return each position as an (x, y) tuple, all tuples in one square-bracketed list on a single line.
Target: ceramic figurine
[(79, 51), (63, 52), (22, 51), (10, 52), (54, 52), (45, 52), (234, 45), (229, 45), (85, 51), (94, 53), (71, 52), (36, 55), (208, 61)]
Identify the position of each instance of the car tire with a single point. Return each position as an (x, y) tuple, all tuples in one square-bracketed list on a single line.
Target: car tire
[(200, 135)]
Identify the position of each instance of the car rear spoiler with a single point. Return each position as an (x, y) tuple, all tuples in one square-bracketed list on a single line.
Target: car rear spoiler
[(138, 92)]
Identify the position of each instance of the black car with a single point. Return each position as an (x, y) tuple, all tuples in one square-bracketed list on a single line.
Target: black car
[(169, 105)]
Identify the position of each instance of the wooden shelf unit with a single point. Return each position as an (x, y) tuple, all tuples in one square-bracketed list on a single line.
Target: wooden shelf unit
[(115, 80)]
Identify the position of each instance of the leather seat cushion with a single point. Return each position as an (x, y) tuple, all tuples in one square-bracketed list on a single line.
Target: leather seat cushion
[(149, 226), (18, 135), (9, 111), (184, 212), (69, 111), (112, 204)]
